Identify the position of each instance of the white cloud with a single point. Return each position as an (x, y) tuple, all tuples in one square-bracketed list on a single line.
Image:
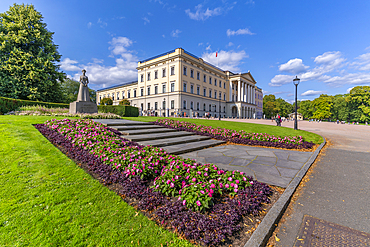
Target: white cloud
[(175, 33), (146, 20), (363, 62), (101, 76), (199, 44), (229, 32), (280, 80), (293, 66), (230, 44), (312, 93), (201, 14), (348, 79), (89, 25), (208, 48), (69, 65), (102, 23), (226, 60)]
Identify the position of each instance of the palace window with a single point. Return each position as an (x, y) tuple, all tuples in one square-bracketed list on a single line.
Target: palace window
[(155, 105), (224, 96), (163, 88), (198, 89), (141, 78), (172, 104), (172, 87), (123, 94), (198, 75), (148, 76), (215, 94), (172, 70), (149, 106), (156, 74), (164, 72), (204, 78), (210, 93), (204, 107), (191, 105), (163, 105), (191, 88), (197, 106), (128, 94), (155, 89), (117, 95), (142, 92), (134, 93), (204, 92), (184, 104), (210, 107), (210, 80), (185, 71), (184, 87), (192, 73), (148, 91), (215, 82)]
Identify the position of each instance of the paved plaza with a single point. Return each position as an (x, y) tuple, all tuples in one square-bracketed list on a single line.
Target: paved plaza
[(272, 166)]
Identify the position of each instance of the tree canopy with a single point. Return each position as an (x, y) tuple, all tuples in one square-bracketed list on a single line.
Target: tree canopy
[(70, 90), (28, 57), (273, 106)]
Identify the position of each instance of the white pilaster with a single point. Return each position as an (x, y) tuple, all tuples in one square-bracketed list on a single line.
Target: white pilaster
[(245, 92), (242, 91), (239, 90), (230, 90)]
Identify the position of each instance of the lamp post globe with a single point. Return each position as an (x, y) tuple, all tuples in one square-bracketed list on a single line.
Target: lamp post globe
[(296, 81)]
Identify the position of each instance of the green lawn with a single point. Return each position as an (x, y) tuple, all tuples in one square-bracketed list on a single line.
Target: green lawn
[(248, 127), (46, 199)]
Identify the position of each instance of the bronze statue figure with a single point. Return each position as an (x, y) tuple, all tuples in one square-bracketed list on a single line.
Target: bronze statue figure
[(83, 93)]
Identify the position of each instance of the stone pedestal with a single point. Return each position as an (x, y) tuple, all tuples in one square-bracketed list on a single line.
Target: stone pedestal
[(83, 107)]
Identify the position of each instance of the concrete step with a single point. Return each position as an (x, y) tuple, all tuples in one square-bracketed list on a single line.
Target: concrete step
[(174, 141), (190, 147), (155, 136), (147, 131), (136, 127)]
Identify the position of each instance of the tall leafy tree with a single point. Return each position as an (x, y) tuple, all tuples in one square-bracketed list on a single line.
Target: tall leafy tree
[(305, 108), (359, 104), (322, 107), (340, 107), (269, 105), (283, 107), (28, 57)]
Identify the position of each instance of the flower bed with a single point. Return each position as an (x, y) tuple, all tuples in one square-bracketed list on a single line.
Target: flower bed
[(206, 203), (239, 137)]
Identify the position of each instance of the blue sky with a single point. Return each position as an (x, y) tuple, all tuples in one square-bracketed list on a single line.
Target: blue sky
[(326, 43)]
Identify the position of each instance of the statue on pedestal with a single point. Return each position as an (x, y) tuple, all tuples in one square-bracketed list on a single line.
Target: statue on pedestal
[(83, 103), (83, 93)]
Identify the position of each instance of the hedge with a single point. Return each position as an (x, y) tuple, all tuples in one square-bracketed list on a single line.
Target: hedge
[(122, 110), (8, 104)]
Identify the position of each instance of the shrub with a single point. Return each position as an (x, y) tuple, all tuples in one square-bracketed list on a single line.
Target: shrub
[(8, 104), (122, 110), (106, 101), (124, 102)]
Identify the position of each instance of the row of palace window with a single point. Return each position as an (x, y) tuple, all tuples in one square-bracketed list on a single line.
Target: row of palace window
[(204, 106), (156, 105), (172, 70), (185, 71), (204, 91)]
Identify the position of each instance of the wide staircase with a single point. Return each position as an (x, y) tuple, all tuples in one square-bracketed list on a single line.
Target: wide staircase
[(173, 141)]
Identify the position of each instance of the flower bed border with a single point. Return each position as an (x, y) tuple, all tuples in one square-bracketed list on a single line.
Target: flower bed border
[(171, 214), (243, 141)]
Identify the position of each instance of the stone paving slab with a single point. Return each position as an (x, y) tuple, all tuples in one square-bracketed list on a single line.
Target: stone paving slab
[(272, 166)]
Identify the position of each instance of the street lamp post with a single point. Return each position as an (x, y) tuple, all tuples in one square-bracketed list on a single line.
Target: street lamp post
[(219, 108), (296, 82)]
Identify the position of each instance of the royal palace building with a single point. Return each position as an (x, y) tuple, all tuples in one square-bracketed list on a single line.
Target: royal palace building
[(179, 83)]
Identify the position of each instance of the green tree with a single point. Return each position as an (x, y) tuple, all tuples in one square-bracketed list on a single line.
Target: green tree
[(124, 102), (269, 105), (359, 104), (70, 90), (305, 108), (322, 107), (340, 107), (106, 101), (283, 107), (28, 57)]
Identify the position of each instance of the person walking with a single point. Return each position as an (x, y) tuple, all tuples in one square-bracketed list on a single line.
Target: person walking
[(278, 120)]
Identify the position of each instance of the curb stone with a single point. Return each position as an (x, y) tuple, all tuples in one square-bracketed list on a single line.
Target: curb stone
[(265, 229)]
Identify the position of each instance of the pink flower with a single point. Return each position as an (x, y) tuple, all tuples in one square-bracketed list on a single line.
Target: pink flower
[(235, 186), (205, 174), (237, 181), (230, 179), (168, 181), (198, 203), (184, 202), (202, 192), (232, 184), (172, 185), (244, 179), (221, 185), (194, 179), (213, 186), (227, 186)]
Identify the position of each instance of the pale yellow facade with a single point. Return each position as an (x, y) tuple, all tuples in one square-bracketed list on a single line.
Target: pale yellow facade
[(178, 82)]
